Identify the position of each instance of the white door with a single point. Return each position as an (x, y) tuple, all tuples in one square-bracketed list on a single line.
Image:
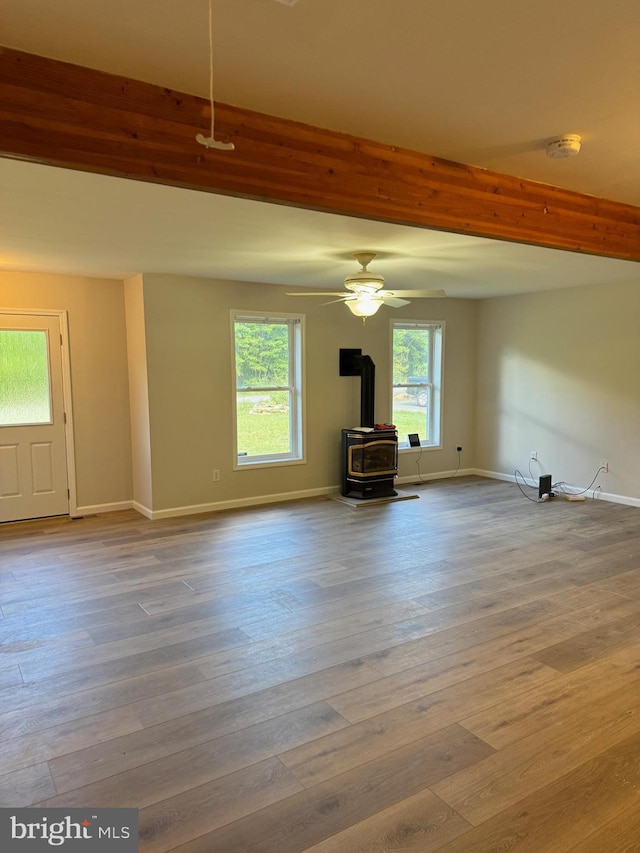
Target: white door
[(33, 462)]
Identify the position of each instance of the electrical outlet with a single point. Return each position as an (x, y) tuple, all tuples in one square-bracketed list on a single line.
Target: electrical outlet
[(534, 455), (215, 475), (605, 467), (459, 448)]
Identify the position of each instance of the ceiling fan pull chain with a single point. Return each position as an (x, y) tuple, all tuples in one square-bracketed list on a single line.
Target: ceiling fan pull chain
[(211, 141)]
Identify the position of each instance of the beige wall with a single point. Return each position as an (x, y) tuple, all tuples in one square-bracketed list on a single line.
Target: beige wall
[(188, 343), (98, 375), (558, 373), (138, 393)]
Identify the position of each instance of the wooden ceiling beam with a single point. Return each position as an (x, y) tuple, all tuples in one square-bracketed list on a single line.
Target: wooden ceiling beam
[(65, 115)]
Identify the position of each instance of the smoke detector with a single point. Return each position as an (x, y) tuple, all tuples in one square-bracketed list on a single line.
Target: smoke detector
[(565, 146)]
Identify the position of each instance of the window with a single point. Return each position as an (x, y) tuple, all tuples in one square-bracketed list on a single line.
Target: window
[(417, 381), (268, 374)]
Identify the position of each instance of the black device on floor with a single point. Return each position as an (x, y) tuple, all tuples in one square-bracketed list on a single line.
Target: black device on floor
[(544, 485)]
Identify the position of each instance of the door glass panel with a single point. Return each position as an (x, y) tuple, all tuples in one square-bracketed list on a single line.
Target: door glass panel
[(24, 378)]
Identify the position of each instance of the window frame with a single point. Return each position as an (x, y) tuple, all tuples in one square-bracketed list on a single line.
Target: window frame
[(295, 388), (435, 380)]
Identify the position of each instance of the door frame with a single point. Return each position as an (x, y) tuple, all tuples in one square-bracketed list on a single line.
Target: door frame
[(67, 400)]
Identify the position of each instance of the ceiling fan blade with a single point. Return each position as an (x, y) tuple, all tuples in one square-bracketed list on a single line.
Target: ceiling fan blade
[(416, 294), (344, 298), (394, 302), (319, 293)]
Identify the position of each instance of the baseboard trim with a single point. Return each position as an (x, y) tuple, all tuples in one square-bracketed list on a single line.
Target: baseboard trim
[(609, 496), (239, 503), (438, 475), (97, 509), (142, 509), (283, 497), (595, 494)]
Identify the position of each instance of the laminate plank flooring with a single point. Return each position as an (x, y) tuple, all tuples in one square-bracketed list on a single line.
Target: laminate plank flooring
[(458, 673)]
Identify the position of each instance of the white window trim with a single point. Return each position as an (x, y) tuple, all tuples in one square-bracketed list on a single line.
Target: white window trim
[(437, 401), (298, 423)]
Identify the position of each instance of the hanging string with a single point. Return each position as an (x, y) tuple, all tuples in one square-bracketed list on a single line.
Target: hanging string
[(211, 141)]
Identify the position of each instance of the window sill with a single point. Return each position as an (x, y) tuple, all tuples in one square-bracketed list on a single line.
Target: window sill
[(267, 463)]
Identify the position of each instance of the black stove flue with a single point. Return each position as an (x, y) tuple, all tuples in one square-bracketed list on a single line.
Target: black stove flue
[(353, 363)]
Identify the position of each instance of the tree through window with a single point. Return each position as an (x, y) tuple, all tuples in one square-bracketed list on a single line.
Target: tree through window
[(417, 380), (268, 387)]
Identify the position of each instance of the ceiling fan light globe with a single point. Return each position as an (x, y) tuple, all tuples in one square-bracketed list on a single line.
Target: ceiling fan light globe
[(364, 305)]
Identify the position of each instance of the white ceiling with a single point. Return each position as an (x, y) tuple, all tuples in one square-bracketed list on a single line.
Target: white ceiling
[(487, 83)]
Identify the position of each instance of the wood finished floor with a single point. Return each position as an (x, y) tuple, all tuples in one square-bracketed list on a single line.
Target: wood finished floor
[(458, 673)]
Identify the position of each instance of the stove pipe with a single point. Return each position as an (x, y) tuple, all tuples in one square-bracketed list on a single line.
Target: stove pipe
[(367, 390), (353, 363)]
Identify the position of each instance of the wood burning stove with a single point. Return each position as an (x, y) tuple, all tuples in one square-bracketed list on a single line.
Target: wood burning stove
[(369, 462)]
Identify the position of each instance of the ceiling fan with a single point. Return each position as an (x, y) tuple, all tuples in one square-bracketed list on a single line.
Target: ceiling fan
[(366, 293)]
